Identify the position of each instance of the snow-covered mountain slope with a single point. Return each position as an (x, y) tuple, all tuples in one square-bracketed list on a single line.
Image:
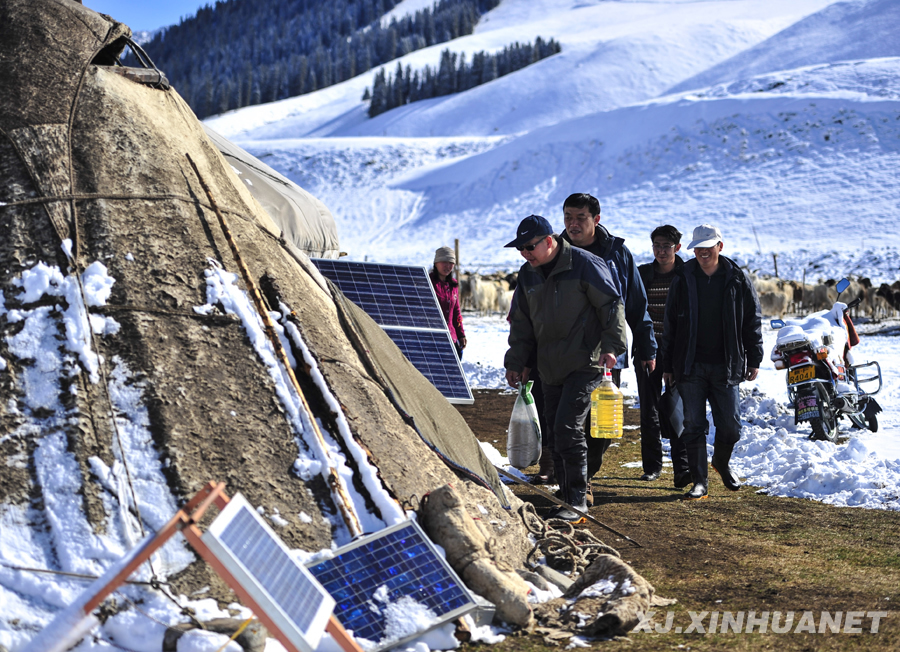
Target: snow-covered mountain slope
[(797, 161), (614, 54), (816, 149), (850, 30)]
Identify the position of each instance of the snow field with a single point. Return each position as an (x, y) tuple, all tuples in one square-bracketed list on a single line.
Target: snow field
[(779, 122), (774, 454)]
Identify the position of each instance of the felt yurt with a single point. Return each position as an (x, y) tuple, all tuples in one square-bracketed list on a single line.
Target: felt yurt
[(161, 327)]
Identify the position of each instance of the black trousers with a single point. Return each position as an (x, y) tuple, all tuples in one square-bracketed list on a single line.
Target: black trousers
[(566, 408), (652, 431)]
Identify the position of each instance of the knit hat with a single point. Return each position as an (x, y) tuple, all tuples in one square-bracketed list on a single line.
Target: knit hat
[(445, 255)]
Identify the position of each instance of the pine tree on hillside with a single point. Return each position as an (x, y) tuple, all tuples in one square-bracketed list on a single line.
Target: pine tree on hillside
[(379, 94), (407, 86), (446, 77)]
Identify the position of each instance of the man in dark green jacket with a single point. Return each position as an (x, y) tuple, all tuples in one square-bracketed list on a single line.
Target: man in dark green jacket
[(567, 309)]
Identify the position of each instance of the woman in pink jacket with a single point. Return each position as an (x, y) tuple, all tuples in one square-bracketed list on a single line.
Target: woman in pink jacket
[(447, 289)]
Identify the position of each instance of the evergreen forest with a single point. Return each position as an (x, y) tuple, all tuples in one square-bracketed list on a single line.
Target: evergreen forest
[(243, 52), (452, 75)]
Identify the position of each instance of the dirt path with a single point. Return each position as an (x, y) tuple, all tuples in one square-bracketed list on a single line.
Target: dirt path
[(736, 552)]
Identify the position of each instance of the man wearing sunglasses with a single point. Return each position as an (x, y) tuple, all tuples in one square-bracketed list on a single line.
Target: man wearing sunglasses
[(567, 313), (581, 216)]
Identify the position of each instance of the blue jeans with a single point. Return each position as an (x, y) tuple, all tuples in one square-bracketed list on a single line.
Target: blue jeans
[(709, 382)]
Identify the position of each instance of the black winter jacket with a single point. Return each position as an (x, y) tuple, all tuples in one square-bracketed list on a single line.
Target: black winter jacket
[(743, 323)]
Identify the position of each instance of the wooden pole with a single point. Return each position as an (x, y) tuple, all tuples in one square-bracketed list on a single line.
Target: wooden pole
[(456, 252), (775, 261), (802, 289), (562, 503), (338, 490)]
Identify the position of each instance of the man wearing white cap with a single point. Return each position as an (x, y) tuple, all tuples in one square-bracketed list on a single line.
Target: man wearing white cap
[(712, 342)]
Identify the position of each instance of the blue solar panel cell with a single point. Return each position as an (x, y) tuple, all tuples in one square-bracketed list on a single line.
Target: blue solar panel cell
[(396, 564), (392, 295), (433, 354)]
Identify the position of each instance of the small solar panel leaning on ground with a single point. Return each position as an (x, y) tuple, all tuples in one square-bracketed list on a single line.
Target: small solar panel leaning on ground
[(256, 557), (246, 553), (392, 586), (401, 299)]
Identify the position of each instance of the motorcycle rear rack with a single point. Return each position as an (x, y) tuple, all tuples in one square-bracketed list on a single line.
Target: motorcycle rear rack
[(860, 381)]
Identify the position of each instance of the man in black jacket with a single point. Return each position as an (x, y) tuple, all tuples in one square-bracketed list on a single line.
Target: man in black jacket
[(713, 341)]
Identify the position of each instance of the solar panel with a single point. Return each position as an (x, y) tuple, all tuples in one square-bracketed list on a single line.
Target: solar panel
[(380, 583), (433, 354), (402, 301), (392, 295), (263, 566)]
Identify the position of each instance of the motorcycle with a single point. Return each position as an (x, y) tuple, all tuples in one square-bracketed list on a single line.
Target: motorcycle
[(824, 381)]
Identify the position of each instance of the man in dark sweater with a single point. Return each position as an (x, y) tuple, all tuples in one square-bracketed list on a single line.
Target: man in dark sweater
[(657, 277), (712, 342)]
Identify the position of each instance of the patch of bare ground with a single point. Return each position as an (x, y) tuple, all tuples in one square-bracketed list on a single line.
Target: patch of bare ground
[(736, 552)]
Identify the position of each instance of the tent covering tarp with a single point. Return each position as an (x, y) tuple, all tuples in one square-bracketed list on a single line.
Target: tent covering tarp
[(304, 219)]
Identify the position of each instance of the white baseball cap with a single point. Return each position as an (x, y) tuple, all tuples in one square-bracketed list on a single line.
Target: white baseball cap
[(705, 235)]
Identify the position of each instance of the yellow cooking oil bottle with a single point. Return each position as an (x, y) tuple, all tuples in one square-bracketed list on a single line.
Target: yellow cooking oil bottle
[(607, 409)]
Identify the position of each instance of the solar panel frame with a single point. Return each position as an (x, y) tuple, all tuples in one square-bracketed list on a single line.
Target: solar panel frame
[(439, 365), (350, 579), (401, 321), (232, 526)]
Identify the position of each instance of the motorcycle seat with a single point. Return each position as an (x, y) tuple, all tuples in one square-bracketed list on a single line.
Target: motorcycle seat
[(791, 336)]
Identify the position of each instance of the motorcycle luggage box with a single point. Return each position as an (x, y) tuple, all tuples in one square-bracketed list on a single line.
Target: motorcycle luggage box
[(791, 337)]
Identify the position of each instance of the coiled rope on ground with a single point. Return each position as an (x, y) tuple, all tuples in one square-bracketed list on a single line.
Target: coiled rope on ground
[(563, 546)]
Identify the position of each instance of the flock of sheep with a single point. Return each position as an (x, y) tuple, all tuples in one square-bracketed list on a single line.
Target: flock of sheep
[(492, 293), (778, 298), (486, 294)]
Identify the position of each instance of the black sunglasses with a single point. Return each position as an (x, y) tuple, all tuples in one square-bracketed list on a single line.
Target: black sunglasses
[(530, 247)]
